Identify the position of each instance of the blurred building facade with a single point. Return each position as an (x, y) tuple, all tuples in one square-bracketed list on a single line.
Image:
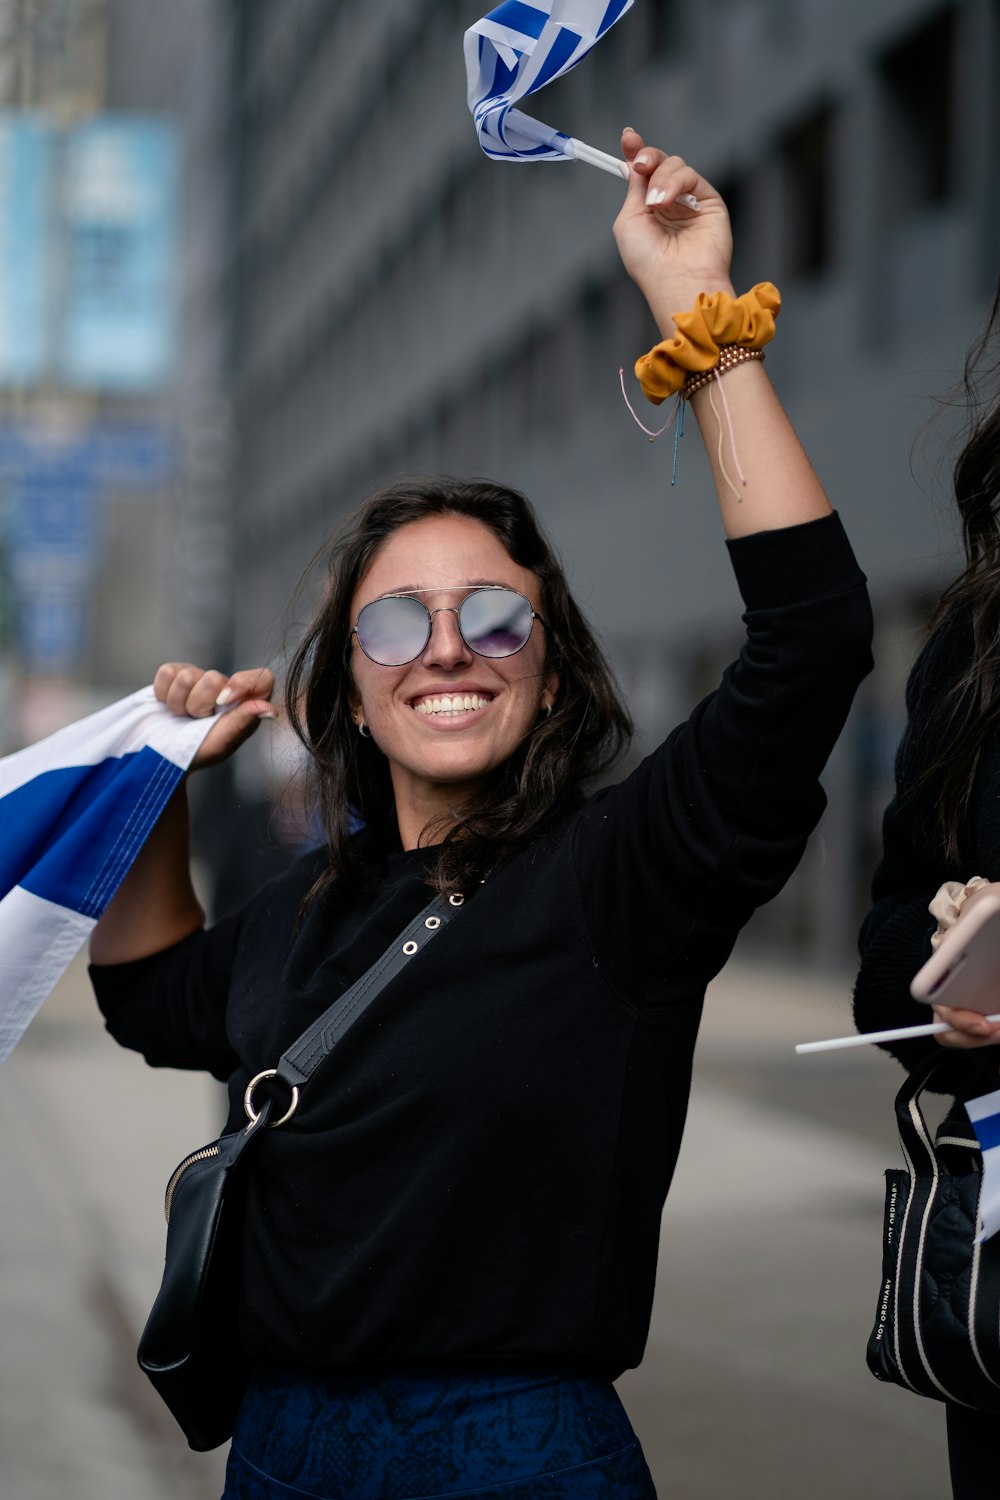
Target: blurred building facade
[(360, 294), (173, 61), (113, 447), (398, 303)]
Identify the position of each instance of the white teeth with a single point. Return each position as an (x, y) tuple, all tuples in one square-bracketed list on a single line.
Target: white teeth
[(460, 703)]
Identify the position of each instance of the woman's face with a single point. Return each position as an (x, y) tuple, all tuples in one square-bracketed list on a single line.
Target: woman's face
[(439, 750)]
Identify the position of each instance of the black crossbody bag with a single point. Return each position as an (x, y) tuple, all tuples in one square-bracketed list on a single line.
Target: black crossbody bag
[(937, 1322), (190, 1347)]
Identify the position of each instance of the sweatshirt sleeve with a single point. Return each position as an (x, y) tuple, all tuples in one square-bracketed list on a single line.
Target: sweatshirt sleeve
[(171, 1006), (895, 937), (711, 825)]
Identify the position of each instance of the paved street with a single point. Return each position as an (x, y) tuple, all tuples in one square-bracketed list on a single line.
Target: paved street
[(754, 1386)]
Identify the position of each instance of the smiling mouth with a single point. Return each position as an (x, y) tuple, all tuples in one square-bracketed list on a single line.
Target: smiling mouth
[(458, 703)]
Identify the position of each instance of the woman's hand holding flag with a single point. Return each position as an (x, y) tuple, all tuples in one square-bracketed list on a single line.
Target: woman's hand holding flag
[(193, 692), (671, 250)]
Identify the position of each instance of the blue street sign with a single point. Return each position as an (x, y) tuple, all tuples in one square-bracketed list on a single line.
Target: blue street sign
[(52, 632), (126, 455), (53, 511)]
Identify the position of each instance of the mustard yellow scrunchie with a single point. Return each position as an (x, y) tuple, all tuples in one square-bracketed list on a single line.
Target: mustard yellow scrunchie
[(716, 319)]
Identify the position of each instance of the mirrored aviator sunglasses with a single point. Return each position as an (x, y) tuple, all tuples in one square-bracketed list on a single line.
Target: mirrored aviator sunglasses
[(493, 622)]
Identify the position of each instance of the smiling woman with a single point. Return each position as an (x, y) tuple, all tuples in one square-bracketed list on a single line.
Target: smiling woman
[(449, 1253), (448, 717), (481, 776)]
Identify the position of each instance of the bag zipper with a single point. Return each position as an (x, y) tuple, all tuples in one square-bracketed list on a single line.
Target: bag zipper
[(202, 1155)]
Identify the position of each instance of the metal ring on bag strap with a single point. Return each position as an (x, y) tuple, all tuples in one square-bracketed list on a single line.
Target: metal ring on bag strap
[(253, 1115)]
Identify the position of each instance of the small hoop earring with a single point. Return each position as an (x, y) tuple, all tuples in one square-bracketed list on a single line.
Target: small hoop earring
[(363, 730), (548, 710)]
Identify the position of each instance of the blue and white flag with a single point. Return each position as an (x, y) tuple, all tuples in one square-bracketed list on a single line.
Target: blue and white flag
[(516, 50), (984, 1113), (75, 810)]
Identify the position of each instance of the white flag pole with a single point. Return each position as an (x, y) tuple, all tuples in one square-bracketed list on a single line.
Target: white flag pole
[(866, 1038), (580, 151)]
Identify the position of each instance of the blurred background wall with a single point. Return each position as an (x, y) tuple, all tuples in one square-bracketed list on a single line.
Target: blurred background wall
[(279, 272)]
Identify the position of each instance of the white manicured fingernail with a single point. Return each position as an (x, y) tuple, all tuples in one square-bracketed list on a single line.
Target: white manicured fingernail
[(269, 715), (226, 696), (641, 161), (655, 196)]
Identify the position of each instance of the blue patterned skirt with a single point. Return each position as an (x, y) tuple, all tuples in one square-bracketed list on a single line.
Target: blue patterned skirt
[(511, 1435)]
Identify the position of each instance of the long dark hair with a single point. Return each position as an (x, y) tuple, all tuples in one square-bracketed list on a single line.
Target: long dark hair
[(585, 734), (964, 719)]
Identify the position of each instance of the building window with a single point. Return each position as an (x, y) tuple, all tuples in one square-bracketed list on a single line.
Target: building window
[(663, 20), (632, 329), (919, 113), (531, 384), (806, 172), (595, 327), (733, 192)]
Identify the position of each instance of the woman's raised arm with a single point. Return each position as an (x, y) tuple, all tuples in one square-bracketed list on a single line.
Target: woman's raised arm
[(673, 253)]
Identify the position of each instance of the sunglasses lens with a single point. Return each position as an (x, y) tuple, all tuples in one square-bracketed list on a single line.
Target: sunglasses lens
[(393, 631), (495, 622)]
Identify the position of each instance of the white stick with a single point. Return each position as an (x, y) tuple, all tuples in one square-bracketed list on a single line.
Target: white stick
[(580, 151), (866, 1038)]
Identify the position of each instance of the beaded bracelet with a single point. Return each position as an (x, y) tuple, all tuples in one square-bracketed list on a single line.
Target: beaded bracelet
[(730, 355)]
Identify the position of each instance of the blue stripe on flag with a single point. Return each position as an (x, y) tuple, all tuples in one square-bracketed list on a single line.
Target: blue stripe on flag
[(563, 46), (611, 15), (34, 815), (70, 835), (520, 17), (503, 77), (988, 1131)]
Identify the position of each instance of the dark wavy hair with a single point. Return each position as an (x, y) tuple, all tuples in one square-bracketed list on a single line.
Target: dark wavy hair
[(585, 734), (966, 716)]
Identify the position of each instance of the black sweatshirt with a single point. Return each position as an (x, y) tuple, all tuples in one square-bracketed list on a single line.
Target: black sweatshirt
[(479, 1175), (896, 936)]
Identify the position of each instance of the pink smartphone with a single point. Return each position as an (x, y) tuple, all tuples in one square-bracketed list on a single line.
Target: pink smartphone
[(965, 969)]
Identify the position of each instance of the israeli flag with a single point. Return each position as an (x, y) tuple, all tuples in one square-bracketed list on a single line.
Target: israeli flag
[(516, 50), (984, 1113), (75, 810)]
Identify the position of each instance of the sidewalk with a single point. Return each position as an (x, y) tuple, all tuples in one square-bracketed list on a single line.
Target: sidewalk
[(754, 1385), (88, 1138)]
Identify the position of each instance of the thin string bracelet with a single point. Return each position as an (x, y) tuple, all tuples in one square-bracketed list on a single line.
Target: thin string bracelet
[(647, 430), (732, 436), (676, 416), (678, 434)]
